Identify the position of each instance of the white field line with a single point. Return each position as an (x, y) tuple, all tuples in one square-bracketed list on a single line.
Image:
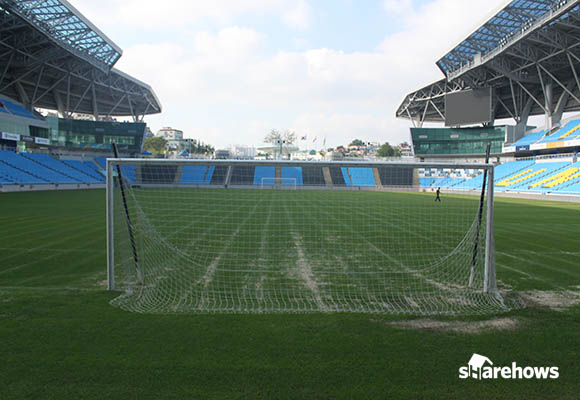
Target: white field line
[(397, 262), (262, 253), (553, 255), (33, 249), (434, 260), (538, 264), (207, 278), (41, 248), (305, 271), (516, 229), (49, 289), (500, 265), (75, 225), (304, 266), (182, 250)]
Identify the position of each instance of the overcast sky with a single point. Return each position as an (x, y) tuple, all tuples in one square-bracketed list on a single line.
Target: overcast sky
[(228, 71)]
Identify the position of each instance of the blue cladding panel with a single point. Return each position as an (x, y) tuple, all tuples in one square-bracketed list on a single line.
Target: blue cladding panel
[(209, 175), (194, 175), (292, 172), (263, 172), (358, 176)]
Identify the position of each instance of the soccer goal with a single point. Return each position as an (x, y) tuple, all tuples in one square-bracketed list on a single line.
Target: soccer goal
[(200, 236), (277, 183)]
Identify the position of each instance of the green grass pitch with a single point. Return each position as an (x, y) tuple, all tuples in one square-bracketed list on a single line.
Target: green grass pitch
[(60, 338)]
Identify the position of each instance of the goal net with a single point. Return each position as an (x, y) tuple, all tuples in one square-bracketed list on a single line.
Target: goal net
[(278, 183), (188, 236)]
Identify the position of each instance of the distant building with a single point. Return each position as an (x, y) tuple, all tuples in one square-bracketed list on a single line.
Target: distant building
[(406, 150), (170, 133), (242, 152), (222, 154), (174, 137)]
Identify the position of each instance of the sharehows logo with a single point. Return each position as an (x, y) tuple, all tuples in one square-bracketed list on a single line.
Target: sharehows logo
[(480, 367)]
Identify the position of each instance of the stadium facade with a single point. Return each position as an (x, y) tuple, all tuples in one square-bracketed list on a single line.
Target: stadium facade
[(527, 57), (53, 58)]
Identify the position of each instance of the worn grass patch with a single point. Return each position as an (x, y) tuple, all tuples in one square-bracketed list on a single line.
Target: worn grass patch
[(469, 327)]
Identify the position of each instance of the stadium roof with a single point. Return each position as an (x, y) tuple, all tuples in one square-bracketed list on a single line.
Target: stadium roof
[(528, 52), (52, 57)]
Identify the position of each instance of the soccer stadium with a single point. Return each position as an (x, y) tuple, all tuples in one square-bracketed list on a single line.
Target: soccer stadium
[(123, 276)]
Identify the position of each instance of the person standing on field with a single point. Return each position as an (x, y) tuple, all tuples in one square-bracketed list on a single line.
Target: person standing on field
[(438, 195)]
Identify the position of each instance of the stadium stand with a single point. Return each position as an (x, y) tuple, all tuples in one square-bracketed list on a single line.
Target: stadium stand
[(501, 172), (30, 167), (531, 138), (554, 180), (337, 176), (563, 133), (523, 180), (396, 176), (102, 162), (14, 176), (242, 175), (86, 167), (60, 167), (358, 176), (15, 109), (128, 172), (312, 176)]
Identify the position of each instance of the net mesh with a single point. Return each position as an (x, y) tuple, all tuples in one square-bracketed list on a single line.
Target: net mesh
[(232, 237)]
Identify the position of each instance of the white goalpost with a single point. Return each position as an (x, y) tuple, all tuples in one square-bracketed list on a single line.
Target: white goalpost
[(199, 236), (277, 183)]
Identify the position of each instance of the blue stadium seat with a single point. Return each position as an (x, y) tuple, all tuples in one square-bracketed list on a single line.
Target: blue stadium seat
[(33, 168), (86, 167), (530, 139), (17, 110), (60, 167), (128, 172), (102, 161), (564, 132), (10, 175)]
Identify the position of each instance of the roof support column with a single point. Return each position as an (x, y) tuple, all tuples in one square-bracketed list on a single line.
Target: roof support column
[(561, 104), (522, 123), (547, 88), (95, 106), (548, 93)]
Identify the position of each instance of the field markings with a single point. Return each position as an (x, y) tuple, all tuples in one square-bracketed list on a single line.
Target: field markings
[(539, 264), (305, 272), (207, 279), (433, 259), (406, 270), (48, 244)]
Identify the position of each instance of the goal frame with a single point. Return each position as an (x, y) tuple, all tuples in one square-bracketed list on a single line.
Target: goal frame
[(489, 278), (277, 183)]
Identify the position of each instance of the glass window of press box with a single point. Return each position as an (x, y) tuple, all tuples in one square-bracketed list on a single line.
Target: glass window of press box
[(457, 141), (97, 134)]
